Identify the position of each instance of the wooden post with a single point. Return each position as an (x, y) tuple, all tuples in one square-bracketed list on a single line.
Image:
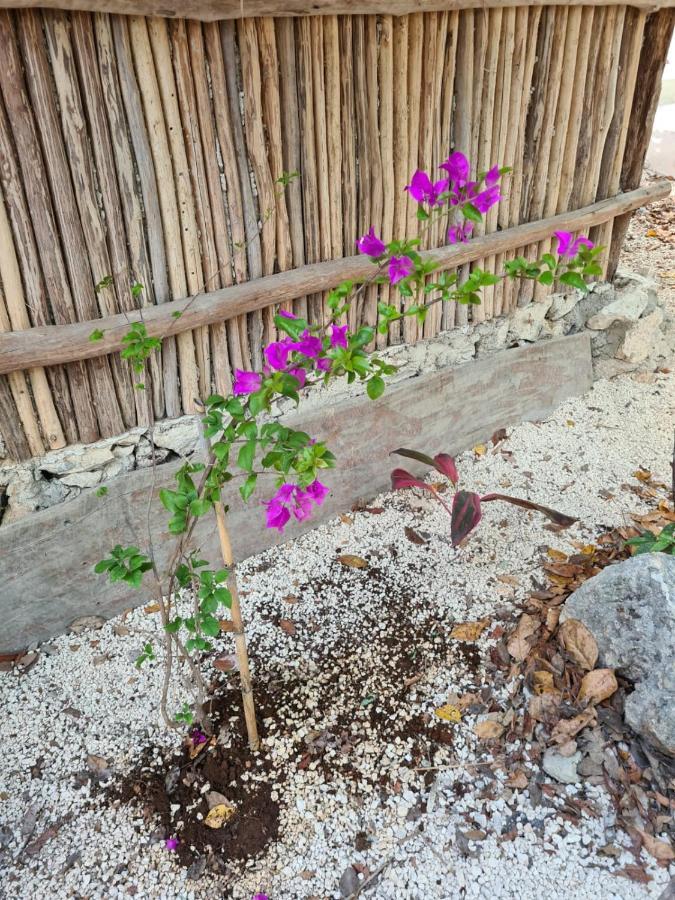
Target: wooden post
[(235, 611)]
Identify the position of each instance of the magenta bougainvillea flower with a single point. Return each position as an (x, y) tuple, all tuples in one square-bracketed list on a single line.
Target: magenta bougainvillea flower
[(460, 234), (492, 176), (277, 353), (171, 844), (424, 190), (286, 314), (291, 499), (260, 897), (399, 268), (246, 382), (308, 345), (197, 737), (299, 374), (567, 246), (371, 245), (487, 198), (338, 336), (457, 167), (324, 364)]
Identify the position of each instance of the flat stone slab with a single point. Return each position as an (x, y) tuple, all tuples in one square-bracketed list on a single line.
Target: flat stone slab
[(47, 559)]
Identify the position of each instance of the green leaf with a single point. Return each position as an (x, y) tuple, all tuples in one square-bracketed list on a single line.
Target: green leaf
[(375, 387), (223, 596), (200, 507), (102, 491), (469, 211), (96, 335), (574, 280), (545, 278), (173, 626), (210, 626), (103, 566), (248, 486), (246, 456)]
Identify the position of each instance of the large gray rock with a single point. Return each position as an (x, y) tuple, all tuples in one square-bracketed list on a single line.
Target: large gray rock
[(630, 610)]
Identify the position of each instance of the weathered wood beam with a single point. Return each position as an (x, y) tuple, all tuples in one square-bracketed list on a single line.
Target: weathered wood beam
[(54, 344), (46, 567), (211, 10)]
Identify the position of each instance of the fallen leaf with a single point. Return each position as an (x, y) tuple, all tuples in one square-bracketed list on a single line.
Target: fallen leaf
[(346, 520), (469, 631), (214, 798), (413, 536), (291, 598), (467, 700), (517, 780), (579, 643), (598, 685), (448, 713), (354, 562), (287, 626), (651, 232), (219, 815), (27, 660), (488, 730), (518, 645), (635, 873), (121, 630), (566, 729), (569, 423), (556, 554), (509, 579), (226, 663), (660, 850), (642, 474), (499, 436), (98, 765), (151, 608), (480, 449), (542, 682)]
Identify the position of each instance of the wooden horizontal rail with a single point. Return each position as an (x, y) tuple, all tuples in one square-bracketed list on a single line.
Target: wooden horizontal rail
[(213, 10), (56, 344)]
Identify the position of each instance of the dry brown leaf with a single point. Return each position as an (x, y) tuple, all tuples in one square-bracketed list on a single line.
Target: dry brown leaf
[(579, 643), (467, 700), (226, 625), (488, 730), (545, 707), (542, 682), (660, 850), (469, 631), (291, 598), (346, 520), (226, 663), (354, 562), (518, 645), (508, 579), (480, 449), (287, 627), (642, 474), (413, 536), (598, 685), (151, 608), (566, 729), (219, 815), (517, 780)]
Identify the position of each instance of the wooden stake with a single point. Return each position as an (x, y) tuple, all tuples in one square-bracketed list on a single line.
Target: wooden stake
[(235, 612)]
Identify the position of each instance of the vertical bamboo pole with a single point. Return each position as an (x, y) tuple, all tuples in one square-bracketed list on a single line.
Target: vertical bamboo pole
[(234, 201), (159, 145), (235, 612), (320, 136), (373, 153), (271, 104), (400, 145), (464, 112), (350, 230), (19, 320), (331, 39), (425, 140), (222, 333), (447, 104), (36, 235), (310, 190), (192, 265), (290, 143), (254, 250), (131, 205), (386, 128), (615, 146), (249, 55)]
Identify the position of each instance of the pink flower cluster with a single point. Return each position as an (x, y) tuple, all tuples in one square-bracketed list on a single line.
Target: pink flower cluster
[(567, 246), (278, 353), (292, 499)]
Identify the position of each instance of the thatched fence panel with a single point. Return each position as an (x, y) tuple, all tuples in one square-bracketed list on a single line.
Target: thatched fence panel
[(147, 151)]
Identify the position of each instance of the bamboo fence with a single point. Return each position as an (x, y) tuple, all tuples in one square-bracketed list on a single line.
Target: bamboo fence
[(138, 149)]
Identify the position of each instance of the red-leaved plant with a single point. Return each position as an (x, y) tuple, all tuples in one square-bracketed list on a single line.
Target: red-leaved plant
[(465, 512)]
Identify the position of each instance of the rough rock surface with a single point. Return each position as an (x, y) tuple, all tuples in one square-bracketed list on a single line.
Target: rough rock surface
[(630, 610)]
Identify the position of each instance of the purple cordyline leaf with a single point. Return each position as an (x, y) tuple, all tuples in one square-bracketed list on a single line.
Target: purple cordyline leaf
[(445, 464), (401, 479), (415, 454), (558, 518), (466, 514)]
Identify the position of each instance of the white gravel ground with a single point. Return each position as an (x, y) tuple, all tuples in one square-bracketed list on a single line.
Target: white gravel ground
[(83, 696)]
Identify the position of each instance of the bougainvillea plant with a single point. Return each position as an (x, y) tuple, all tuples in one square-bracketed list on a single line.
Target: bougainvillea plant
[(247, 449), (465, 509)]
